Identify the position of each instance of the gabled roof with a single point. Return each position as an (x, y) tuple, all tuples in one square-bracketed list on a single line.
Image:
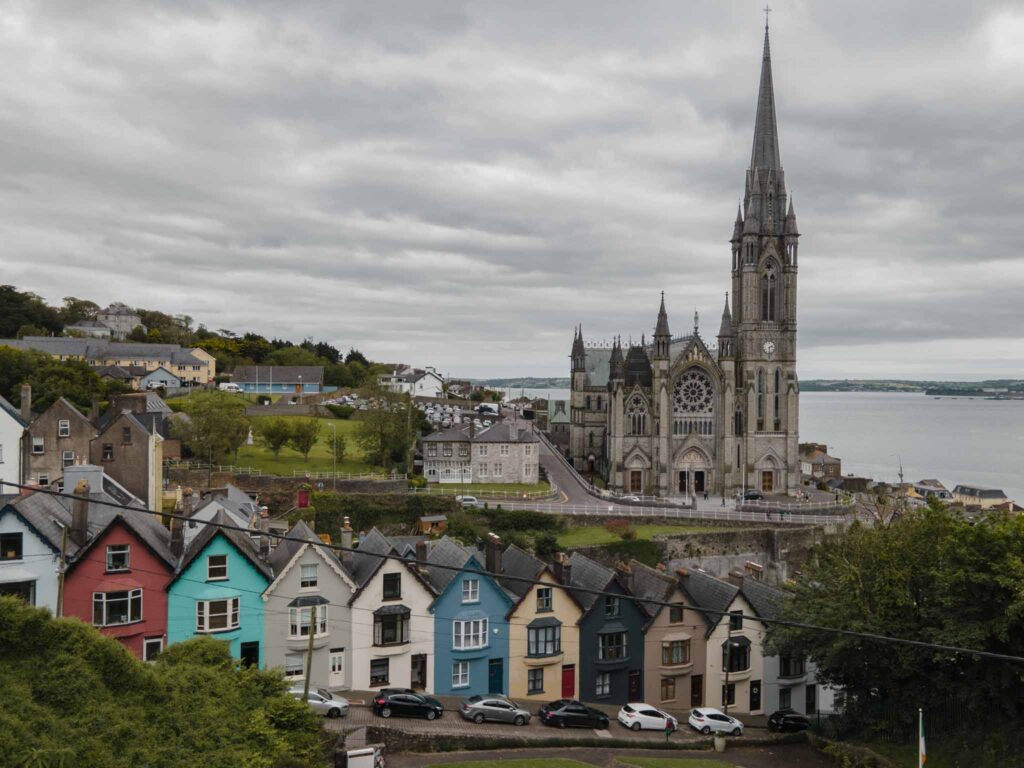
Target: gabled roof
[(241, 541), (506, 432), (590, 575), (709, 592), (458, 434), (651, 586), (364, 564), (63, 402), (11, 411), (445, 552), (522, 565), (766, 600), (145, 526), (291, 547), (252, 374)]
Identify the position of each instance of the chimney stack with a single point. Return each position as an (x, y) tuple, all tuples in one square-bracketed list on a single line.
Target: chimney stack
[(735, 578), (661, 567), (178, 525), (94, 409), (421, 555), (563, 568), (493, 553), (682, 571), (80, 514), (264, 533), (346, 543), (26, 403)]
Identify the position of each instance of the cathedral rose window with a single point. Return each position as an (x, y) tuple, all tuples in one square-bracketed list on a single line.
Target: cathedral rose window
[(693, 404)]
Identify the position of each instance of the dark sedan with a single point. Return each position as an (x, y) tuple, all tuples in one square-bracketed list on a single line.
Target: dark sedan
[(403, 704), (788, 721), (568, 713)]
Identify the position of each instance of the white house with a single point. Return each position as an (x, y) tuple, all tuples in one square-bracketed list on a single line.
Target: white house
[(30, 549), (392, 627), (12, 431), (417, 382), (309, 582)]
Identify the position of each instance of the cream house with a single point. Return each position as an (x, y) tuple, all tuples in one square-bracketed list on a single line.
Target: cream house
[(392, 627), (543, 645)]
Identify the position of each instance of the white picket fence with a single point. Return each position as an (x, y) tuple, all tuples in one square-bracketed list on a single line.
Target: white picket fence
[(725, 514)]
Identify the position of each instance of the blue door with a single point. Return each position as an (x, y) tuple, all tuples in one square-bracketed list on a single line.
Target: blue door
[(496, 676)]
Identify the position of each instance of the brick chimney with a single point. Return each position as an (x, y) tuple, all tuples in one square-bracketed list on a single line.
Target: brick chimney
[(94, 409), (421, 555), (493, 564), (79, 531), (26, 403), (346, 543), (735, 577), (264, 532), (563, 568)]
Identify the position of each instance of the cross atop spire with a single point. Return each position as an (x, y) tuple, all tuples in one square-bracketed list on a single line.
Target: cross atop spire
[(765, 153)]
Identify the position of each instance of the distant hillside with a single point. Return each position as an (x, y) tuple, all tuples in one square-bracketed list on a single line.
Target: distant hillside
[(526, 382), (902, 385)]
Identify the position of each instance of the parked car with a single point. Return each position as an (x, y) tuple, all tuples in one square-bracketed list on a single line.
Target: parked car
[(642, 716), (631, 498), (708, 720), (569, 713), (788, 721), (469, 502), (406, 703), (323, 701), (753, 496), (229, 386), (493, 708)]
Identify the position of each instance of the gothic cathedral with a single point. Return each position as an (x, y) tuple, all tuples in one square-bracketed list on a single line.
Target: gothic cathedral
[(676, 417)]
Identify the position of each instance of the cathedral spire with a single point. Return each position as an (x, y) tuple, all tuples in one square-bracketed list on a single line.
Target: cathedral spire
[(578, 354), (791, 228), (725, 329), (765, 153), (661, 329)]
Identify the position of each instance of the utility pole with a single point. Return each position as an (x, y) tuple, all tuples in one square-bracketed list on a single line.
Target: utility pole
[(309, 653), (728, 660), (334, 450), (60, 570)]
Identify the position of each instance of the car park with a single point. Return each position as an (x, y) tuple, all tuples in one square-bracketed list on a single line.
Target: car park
[(788, 721), (569, 713), (708, 720), (322, 701), (643, 717), (493, 709), (401, 702)]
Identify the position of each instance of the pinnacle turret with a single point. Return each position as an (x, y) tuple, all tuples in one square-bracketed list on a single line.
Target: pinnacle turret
[(765, 153), (661, 329), (737, 227), (578, 353), (725, 329), (616, 361), (791, 228)]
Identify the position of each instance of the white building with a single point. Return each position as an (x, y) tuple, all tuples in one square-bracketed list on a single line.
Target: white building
[(417, 382), (12, 432), (503, 453)]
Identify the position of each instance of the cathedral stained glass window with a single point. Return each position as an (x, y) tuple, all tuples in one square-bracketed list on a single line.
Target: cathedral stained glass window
[(636, 415), (693, 404)]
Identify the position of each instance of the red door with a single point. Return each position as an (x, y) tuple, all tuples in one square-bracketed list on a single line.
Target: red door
[(569, 681)]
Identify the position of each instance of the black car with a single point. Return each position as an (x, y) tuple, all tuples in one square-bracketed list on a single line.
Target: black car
[(403, 702), (753, 496), (788, 721), (569, 713)]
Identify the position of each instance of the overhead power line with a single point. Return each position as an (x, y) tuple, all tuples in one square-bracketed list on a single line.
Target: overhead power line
[(872, 636)]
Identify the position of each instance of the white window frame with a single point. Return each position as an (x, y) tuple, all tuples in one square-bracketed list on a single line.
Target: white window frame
[(503, 450), (102, 599), (482, 451), (483, 470), (527, 450), (147, 642), (294, 666), (43, 480), (431, 450), (603, 684), (67, 458), (210, 568), (460, 674), (305, 582), (469, 634), (38, 446), (471, 590), (205, 615), (117, 549), (299, 618), (497, 469), (64, 428)]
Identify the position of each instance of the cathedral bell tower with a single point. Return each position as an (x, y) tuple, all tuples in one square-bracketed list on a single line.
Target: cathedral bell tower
[(761, 331)]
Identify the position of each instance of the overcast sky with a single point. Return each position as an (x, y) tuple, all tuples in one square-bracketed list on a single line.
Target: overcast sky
[(459, 184)]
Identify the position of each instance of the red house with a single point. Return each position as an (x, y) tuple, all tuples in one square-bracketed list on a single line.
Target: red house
[(118, 576)]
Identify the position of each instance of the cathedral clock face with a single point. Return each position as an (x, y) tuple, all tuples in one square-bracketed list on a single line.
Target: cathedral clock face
[(769, 348)]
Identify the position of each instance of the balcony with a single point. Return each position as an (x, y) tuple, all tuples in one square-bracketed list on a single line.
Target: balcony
[(737, 677)]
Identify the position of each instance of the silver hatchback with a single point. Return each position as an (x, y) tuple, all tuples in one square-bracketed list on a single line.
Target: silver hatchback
[(493, 708), (323, 701)]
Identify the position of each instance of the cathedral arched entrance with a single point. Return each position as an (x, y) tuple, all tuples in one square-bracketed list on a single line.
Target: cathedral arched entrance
[(693, 473)]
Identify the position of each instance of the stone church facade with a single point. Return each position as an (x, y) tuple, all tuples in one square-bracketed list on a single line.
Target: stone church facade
[(678, 416)]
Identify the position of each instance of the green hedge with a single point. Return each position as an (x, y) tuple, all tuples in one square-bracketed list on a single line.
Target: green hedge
[(522, 520), (340, 411), (366, 510)]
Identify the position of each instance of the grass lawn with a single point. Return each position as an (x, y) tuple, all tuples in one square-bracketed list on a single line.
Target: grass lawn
[(320, 459), (595, 535), (673, 762), (540, 762), (905, 755)]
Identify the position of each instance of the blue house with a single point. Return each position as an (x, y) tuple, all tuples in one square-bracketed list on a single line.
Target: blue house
[(217, 591), (279, 379), (470, 628), (611, 633)]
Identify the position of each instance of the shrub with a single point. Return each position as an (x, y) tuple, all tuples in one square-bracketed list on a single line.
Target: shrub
[(366, 510), (618, 527), (340, 411), (418, 481)]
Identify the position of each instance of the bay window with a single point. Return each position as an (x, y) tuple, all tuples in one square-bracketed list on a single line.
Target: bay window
[(217, 615), (110, 609), (469, 634), (544, 641), (391, 628), (611, 646), (299, 620), (675, 652)]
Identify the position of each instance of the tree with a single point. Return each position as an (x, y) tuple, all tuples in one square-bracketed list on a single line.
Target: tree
[(477, 396), (75, 310), (274, 433), (23, 308), (305, 433), (292, 356), (385, 432), (355, 356), (336, 445), (138, 333), (545, 545), (930, 576), (217, 424)]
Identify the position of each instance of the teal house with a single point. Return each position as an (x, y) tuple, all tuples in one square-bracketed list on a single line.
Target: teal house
[(217, 591), (470, 628)]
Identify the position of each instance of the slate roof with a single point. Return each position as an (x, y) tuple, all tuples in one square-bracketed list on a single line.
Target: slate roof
[(451, 435), (241, 541), (766, 600), (406, 545), (364, 564), (97, 349), (982, 492), (237, 503), (11, 411), (286, 548), (709, 592), (597, 366), (588, 574), (638, 368), (284, 374), (447, 552), (521, 564), (651, 586), (502, 432)]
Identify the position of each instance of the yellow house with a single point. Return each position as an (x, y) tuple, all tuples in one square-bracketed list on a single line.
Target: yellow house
[(543, 645)]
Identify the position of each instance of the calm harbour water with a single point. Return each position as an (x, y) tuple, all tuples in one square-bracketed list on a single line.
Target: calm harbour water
[(954, 439)]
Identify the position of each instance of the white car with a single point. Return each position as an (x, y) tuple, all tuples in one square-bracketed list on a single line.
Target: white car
[(643, 717), (322, 701), (708, 720)]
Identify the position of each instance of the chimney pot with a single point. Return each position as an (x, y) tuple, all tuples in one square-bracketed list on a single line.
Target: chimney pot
[(493, 556), (735, 578), (682, 571)]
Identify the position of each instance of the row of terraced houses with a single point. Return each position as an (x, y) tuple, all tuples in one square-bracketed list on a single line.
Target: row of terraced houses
[(404, 611)]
